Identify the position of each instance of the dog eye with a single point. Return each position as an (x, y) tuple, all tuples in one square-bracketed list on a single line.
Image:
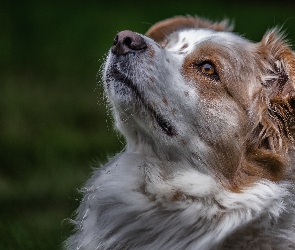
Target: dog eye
[(208, 69)]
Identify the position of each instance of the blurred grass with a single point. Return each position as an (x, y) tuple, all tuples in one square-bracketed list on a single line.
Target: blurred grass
[(53, 121)]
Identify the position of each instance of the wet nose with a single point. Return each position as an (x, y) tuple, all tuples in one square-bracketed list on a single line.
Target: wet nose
[(127, 41)]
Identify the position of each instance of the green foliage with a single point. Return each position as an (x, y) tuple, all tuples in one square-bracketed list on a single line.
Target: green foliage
[(53, 122)]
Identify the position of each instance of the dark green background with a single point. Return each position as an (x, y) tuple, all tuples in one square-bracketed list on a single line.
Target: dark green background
[(53, 122)]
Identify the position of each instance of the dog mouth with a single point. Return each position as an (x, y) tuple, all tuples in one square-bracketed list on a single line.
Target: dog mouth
[(165, 125)]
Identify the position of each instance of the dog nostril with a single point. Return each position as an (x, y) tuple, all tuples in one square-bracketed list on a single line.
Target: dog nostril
[(128, 41)]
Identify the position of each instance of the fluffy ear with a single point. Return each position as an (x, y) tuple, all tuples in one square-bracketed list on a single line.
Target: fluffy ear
[(272, 113), (161, 29), (278, 63)]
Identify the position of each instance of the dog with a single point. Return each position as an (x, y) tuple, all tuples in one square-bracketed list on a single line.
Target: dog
[(209, 122)]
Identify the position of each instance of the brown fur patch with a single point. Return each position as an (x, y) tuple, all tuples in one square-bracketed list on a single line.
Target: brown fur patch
[(266, 155), (161, 29), (258, 164)]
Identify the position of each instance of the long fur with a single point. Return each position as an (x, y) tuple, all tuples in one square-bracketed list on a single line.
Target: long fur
[(209, 160)]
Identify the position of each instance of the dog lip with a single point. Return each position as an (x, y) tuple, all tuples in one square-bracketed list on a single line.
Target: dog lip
[(119, 76), (165, 125), (162, 122)]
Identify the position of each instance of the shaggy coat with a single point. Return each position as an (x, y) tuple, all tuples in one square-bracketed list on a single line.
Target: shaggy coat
[(209, 122)]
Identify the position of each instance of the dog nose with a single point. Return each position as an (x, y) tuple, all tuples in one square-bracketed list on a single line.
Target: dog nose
[(127, 41)]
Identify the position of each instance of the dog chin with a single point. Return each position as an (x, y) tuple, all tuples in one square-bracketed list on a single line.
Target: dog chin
[(125, 91)]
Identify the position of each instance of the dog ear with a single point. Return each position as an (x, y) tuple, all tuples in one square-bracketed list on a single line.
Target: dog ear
[(162, 29), (272, 113), (278, 63)]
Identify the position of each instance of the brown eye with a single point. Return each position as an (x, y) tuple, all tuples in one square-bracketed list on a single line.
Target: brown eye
[(208, 69)]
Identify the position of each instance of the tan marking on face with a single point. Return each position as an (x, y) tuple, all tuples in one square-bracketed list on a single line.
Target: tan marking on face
[(205, 84)]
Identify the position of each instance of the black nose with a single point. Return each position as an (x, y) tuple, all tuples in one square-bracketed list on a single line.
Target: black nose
[(127, 41)]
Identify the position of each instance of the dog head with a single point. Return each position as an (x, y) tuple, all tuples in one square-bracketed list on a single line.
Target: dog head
[(190, 91)]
